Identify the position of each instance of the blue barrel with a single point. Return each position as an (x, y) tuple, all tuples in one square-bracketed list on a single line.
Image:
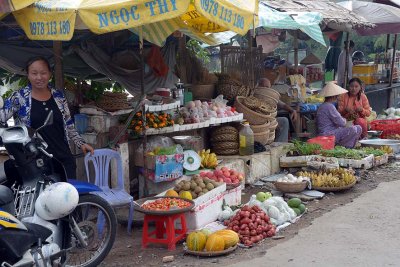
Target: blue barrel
[(81, 122)]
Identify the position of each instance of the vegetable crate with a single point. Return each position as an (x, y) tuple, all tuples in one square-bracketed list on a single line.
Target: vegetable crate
[(380, 160), (365, 163), (389, 127)]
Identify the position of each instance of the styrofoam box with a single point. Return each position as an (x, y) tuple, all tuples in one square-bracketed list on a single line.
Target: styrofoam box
[(233, 197), (204, 213), (219, 190), (365, 163), (102, 124), (381, 160)]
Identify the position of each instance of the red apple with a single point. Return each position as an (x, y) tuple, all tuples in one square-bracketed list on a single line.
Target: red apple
[(228, 180), (224, 169)]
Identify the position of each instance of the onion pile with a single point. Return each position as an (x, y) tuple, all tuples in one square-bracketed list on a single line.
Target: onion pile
[(252, 225)]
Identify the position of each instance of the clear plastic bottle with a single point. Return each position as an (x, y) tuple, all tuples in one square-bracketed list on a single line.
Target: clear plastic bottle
[(246, 140)]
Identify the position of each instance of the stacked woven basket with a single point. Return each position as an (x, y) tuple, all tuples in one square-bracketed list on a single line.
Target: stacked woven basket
[(113, 101), (230, 87), (225, 141), (260, 111)]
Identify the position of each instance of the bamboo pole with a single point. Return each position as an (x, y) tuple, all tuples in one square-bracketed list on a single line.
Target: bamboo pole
[(389, 92), (58, 69), (296, 53), (346, 67)]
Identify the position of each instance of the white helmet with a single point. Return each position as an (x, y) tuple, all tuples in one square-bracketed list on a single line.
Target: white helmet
[(56, 201)]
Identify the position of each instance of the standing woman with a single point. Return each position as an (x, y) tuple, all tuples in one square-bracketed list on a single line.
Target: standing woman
[(355, 106), (30, 107)]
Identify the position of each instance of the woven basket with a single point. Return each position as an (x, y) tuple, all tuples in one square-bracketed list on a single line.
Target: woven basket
[(231, 88), (226, 152), (225, 145), (273, 125), (262, 128), (266, 98), (251, 116), (225, 130), (203, 91), (225, 137), (264, 91), (262, 138), (271, 138), (290, 187)]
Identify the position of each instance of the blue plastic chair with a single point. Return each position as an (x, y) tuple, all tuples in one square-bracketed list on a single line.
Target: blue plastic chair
[(117, 196)]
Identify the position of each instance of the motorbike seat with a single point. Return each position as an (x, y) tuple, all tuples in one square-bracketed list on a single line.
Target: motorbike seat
[(38, 231)]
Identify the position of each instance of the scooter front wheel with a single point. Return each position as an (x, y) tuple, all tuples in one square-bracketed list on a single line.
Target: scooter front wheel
[(97, 225)]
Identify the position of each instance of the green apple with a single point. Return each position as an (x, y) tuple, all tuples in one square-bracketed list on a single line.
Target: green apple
[(261, 196)]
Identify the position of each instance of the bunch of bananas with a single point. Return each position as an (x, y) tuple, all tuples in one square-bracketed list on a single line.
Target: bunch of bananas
[(208, 160), (329, 178), (386, 149)]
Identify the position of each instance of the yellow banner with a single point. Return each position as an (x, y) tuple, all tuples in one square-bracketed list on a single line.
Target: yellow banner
[(55, 19), (130, 14), (195, 20), (235, 15)]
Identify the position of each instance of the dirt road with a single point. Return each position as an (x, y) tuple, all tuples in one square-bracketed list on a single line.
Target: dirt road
[(338, 230)]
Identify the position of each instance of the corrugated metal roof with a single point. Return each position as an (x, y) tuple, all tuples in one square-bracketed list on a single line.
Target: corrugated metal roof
[(334, 15)]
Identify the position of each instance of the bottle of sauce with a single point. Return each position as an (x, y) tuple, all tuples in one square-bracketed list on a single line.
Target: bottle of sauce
[(246, 140)]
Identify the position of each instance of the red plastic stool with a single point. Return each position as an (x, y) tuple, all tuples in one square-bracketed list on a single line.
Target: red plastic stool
[(164, 225)]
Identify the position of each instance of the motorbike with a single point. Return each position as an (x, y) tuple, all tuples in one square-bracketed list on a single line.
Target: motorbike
[(45, 219)]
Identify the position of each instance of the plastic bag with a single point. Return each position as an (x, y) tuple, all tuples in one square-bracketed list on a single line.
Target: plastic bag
[(156, 141), (220, 100)]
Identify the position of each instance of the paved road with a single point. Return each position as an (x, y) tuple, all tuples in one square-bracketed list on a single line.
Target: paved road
[(364, 233)]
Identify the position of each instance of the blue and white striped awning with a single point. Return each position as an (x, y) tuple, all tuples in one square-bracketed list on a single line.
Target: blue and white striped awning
[(307, 22)]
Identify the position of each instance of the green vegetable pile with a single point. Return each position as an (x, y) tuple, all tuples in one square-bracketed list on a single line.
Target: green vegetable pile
[(346, 153), (373, 151), (304, 149)]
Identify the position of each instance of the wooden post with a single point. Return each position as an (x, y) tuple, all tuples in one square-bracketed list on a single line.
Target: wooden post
[(346, 67), (182, 61), (58, 69), (389, 91), (296, 53)]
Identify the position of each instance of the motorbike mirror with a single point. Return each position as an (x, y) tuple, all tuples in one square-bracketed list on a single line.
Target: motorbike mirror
[(47, 121)]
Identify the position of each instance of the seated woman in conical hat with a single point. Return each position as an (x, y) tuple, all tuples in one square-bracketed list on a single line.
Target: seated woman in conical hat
[(330, 122)]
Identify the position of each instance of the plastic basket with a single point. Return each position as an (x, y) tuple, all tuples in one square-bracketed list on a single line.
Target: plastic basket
[(327, 142), (388, 127)]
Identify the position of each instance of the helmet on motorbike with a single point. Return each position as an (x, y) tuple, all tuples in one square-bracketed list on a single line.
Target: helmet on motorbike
[(56, 201), (358, 56)]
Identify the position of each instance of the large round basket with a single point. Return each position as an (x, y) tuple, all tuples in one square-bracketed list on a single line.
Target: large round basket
[(203, 91), (262, 138), (225, 145), (210, 253), (290, 187), (266, 98), (231, 88), (271, 137), (273, 124), (140, 202), (268, 92), (262, 128), (251, 116), (334, 189)]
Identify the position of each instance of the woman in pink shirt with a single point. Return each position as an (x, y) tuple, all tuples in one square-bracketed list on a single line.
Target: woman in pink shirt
[(354, 105)]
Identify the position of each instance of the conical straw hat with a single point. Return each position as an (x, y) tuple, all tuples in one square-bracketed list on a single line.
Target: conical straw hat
[(331, 89), (311, 59)]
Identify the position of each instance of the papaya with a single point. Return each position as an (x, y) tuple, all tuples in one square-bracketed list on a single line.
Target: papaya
[(215, 243), (171, 193), (196, 241), (294, 202), (302, 208), (185, 195), (230, 237), (298, 212)]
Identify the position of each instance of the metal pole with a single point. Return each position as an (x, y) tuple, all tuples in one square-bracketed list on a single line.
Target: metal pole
[(296, 53), (58, 70), (391, 71), (346, 67)]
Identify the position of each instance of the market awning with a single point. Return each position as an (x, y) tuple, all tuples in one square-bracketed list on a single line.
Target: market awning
[(334, 16), (57, 19), (307, 22), (385, 17)]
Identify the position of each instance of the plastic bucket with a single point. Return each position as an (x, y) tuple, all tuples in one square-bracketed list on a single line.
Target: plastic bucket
[(81, 122), (327, 142)]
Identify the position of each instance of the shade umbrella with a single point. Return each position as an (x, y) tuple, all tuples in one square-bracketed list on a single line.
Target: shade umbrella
[(57, 19), (385, 17)]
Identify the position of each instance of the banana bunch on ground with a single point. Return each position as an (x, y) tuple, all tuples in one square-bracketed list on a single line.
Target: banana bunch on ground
[(208, 160), (387, 149), (330, 178)]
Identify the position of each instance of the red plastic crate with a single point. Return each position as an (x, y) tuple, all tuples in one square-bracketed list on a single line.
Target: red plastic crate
[(388, 127), (327, 142)]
